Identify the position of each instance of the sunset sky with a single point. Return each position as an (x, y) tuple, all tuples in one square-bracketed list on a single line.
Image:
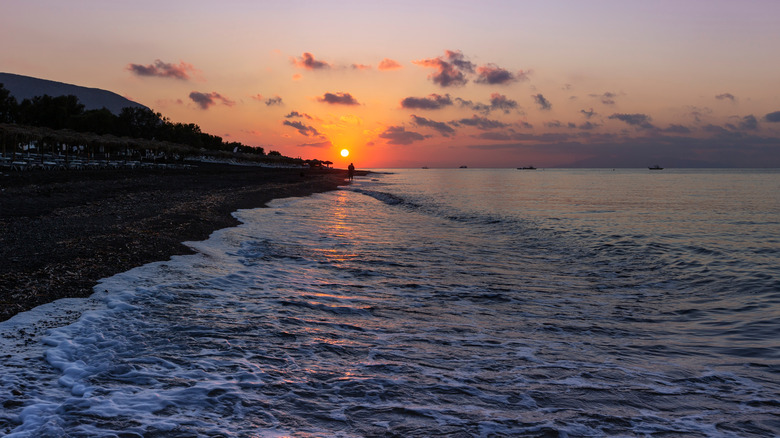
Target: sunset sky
[(573, 83)]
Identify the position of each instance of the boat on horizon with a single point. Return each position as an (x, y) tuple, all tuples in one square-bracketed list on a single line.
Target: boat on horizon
[(656, 167), (526, 168), (464, 167)]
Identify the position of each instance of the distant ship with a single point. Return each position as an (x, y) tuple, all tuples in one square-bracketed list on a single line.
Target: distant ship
[(656, 167), (464, 167), (425, 167), (526, 168)]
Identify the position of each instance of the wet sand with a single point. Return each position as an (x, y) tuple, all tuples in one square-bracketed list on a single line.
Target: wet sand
[(61, 231)]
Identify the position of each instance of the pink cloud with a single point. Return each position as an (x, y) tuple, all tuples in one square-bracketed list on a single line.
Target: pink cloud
[(389, 64)]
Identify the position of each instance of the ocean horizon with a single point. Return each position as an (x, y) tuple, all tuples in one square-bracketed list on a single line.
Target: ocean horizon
[(433, 302)]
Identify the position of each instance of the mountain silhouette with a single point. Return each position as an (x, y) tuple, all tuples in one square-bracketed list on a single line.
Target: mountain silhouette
[(27, 87)]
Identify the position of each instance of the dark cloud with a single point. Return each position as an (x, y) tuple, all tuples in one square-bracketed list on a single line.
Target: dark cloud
[(307, 61), (492, 74), (496, 136), (432, 102), (451, 69), (748, 123), (399, 135), (678, 129), (308, 131), (638, 120), (482, 123), (441, 127), (319, 145), (501, 102), (726, 96), (773, 117), (297, 114), (587, 126), (163, 70), (699, 114), (588, 114), (206, 100), (276, 100), (479, 107), (338, 99), (718, 130), (498, 102), (519, 136), (543, 103), (389, 64)]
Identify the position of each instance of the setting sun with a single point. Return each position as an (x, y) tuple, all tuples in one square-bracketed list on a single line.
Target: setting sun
[(344, 153)]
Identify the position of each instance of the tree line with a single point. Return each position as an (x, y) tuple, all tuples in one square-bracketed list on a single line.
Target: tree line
[(66, 112)]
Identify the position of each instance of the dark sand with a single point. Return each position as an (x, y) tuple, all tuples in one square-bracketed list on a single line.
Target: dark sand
[(61, 231)]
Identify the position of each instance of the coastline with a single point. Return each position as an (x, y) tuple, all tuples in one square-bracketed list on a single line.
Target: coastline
[(62, 232)]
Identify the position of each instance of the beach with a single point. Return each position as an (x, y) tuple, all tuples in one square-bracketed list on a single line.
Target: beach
[(61, 232)]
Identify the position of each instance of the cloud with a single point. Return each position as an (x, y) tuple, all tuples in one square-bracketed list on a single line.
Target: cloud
[(451, 69), (276, 100), (748, 123), (543, 103), (678, 129), (319, 144), (699, 114), (726, 96), (482, 123), (297, 114), (639, 120), (773, 117), (308, 131), (588, 114), (389, 64), (501, 102), (498, 102), (587, 126), (307, 61), (492, 74), (432, 102), (399, 135), (163, 70), (607, 98), (441, 127), (338, 99), (518, 136), (361, 67), (206, 100)]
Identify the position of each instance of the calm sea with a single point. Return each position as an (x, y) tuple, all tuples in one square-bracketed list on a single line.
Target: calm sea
[(460, 302)]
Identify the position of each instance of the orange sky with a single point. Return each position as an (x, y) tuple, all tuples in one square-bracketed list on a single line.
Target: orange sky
[(439, 84)]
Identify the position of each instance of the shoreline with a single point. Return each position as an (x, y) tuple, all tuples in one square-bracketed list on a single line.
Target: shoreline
[(62, 232)]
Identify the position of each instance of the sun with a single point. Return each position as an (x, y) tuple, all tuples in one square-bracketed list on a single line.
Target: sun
[(344, 152)]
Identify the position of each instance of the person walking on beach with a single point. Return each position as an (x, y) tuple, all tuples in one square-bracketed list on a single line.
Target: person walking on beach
[(351, 171)]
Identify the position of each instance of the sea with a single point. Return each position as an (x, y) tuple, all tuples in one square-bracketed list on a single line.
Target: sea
[(432, 303)]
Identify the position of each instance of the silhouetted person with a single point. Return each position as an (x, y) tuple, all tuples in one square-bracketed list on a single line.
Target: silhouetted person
[(351, 171)]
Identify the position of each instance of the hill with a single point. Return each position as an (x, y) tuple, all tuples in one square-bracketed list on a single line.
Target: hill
[(26, 87)]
